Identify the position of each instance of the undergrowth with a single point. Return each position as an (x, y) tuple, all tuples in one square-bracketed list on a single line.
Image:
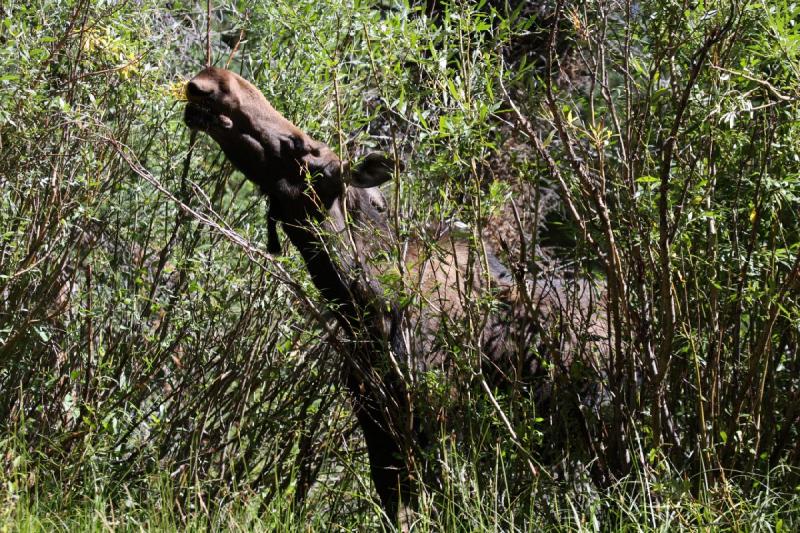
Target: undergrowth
[(159, 371)]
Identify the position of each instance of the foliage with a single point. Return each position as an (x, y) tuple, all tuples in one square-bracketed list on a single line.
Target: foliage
[(159, 369), (679, 161)]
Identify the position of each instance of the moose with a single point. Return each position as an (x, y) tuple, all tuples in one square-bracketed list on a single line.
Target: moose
[(333, 213)]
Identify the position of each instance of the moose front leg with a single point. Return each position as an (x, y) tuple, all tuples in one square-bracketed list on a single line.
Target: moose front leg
[(376, 408), (273, 241)]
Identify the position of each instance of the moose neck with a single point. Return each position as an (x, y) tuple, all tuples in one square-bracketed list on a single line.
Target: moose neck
[(327, 277)]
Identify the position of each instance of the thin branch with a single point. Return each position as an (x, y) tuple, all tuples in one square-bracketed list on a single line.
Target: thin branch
[(208, 33)]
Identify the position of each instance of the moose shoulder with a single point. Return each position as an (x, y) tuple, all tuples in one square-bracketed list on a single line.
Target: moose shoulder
[(306, 184)]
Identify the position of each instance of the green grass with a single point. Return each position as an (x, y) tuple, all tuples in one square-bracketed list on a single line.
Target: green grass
[(32, 501), (723, 509)]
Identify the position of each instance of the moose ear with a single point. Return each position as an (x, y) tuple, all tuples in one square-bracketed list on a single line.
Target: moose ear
[(374, 170)]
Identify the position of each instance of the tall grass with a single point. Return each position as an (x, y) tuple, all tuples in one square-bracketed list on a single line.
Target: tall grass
[(467, 501)]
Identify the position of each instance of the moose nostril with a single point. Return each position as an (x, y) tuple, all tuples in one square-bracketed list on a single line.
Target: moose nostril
[(194, 90)]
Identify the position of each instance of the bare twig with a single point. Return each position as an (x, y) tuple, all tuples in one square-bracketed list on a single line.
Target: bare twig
[(208, 33)]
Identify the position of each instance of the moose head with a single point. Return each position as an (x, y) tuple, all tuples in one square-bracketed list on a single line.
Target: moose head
[(274, 153)]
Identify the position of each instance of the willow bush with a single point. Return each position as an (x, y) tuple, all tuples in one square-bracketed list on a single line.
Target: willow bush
[(677, 160), (156, 363)]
